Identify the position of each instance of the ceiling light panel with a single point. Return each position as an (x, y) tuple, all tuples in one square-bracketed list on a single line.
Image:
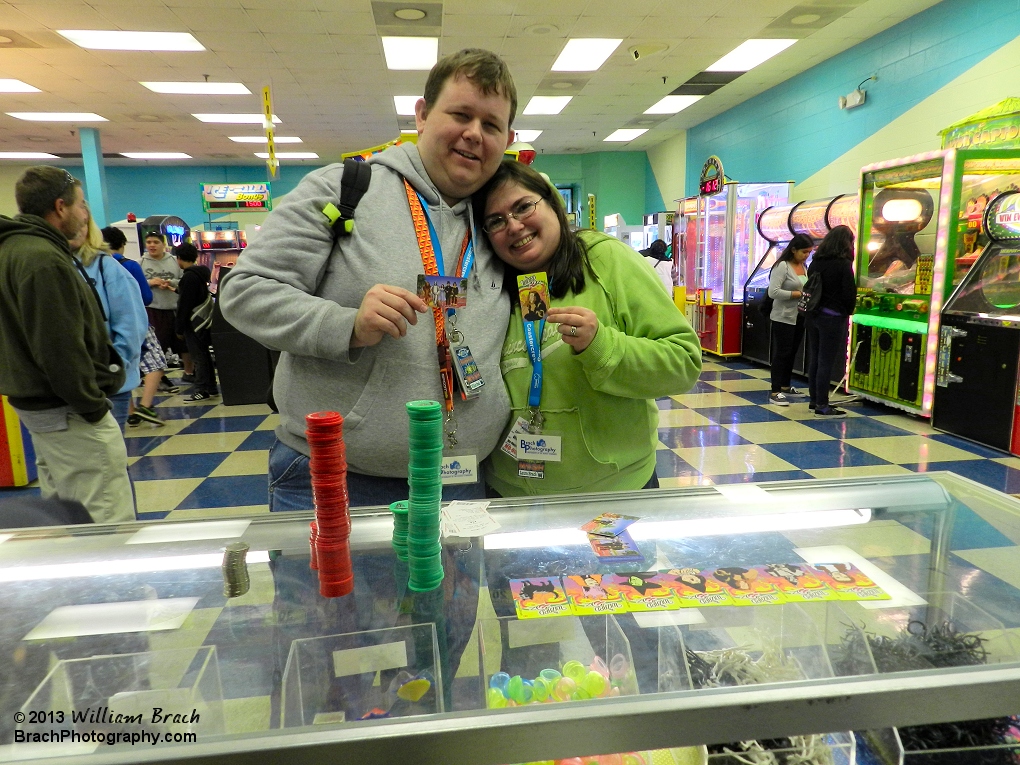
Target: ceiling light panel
[(57, 116), (672, 104), (234, 119), (16, 86), (749, 54), (27, 155), (155, 155), (198, 88), (288, 155), (625, 134), (120, 40), (585, 55), (546, 104), (411, 53), (527, 136), (405, 104), (263, 139)]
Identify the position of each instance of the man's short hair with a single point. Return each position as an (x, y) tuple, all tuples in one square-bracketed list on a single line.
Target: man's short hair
[(186, 251), (39, 188), (154, 235), (114, 237), (485, 69)]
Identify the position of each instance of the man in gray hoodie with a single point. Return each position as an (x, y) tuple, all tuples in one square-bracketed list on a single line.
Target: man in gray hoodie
[(354, 336)]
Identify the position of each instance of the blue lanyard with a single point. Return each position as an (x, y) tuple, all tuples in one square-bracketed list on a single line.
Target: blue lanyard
[(534, 346), (467, 260)]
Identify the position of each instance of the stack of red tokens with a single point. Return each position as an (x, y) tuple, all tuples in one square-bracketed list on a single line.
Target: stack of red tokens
[(332, 530)]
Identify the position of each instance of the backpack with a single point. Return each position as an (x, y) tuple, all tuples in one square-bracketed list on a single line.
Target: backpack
[(353, 185), (201, 316), (765, 306), (811, 295)]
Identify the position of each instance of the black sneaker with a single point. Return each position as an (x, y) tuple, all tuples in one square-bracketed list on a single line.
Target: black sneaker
[(133, 420), (201, 396), (811, 406), (186, 378), (794, 393), (148, 414), (165, 386), (830, 413), (779, 399)]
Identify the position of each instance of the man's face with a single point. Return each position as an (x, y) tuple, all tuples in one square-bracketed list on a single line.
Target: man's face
[(73, 218), (461, 139), (154, 247)]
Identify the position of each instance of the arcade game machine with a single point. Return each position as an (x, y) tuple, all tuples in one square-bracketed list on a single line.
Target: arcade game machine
[(173, 229), (659, 226), (777, 225), (218, 250), (221, 249), (978, 367), (918, 239), (617, 227), (17, 455), (727, 245)]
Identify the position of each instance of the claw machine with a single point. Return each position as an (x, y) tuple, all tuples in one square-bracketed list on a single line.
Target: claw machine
[(919, 236), (978, 367), (777, 226), (727, 245)]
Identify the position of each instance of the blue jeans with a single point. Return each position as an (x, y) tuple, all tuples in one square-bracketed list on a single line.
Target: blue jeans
[(290, 484), (119, 403), (826, 342)]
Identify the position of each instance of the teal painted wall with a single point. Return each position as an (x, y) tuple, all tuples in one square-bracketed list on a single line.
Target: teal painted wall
[(796, 128), (622, 181)]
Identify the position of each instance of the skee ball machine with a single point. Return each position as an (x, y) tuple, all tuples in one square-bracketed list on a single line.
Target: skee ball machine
[(920, 234), (978, 370)]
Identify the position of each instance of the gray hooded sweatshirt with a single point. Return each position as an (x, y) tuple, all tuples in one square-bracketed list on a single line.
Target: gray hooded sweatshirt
[(294, 291)]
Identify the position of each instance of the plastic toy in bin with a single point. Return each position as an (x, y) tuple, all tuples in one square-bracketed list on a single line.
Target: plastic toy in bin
[(627, 758), (572, 682)]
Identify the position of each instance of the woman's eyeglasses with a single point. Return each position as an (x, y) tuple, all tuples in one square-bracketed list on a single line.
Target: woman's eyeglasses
[(521, 212)]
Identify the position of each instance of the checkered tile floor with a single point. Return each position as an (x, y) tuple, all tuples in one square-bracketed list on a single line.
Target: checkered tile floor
[(211, 460)]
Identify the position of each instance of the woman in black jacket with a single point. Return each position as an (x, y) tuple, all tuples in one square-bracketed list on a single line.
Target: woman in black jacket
[(827, 326)]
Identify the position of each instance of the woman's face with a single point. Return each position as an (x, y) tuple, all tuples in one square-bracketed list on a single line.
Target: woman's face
[(802, 254), (526, 245)]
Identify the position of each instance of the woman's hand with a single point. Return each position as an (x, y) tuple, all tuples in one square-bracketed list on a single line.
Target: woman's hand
[(796, 293), (577, 325)]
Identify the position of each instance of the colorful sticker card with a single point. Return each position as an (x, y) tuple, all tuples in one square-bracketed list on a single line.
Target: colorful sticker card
[(443, 291), (539, 596), (588, 597), (693, 589), (849, 582), (744, 586), (643, 591), (609, 524), (534, 293), (798, 583), (620, 548)]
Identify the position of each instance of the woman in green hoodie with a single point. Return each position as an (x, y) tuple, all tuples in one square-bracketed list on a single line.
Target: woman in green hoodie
[(612, 341)]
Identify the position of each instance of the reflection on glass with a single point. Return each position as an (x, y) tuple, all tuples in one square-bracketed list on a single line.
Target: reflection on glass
[(748, 245), (993, 289), (983, 180), (902, 240)]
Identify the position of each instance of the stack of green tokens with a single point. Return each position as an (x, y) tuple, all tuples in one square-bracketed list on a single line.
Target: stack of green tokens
[(399, 510), (424, 479)]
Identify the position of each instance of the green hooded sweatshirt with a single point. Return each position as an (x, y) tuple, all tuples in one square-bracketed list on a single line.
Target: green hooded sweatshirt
[(54, 348)]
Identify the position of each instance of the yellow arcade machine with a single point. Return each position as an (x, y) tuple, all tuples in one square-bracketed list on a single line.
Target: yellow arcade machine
[(722, 247)]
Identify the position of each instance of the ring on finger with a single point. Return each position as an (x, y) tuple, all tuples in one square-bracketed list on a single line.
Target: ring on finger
[(573, 331)]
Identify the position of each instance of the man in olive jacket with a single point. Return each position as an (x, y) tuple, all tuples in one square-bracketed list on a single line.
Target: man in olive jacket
[(57, 364)]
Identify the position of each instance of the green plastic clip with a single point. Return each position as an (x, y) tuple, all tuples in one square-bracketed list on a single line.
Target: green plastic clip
[(331, 212)]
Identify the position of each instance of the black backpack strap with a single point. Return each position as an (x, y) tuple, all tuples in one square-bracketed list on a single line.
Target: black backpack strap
[(353, 185)]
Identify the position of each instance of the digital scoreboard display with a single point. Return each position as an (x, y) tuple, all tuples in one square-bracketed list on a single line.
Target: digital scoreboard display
[(236, 197)]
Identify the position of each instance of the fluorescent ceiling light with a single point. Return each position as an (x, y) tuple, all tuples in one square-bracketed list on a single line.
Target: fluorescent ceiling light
[(96, 39), (411, 53), (749, 54), (585, 55), (234, 119), (155, 155), (672, 104), (288, 155), (546, 104), (17, 86), (263, 139), (139, 565), (57, 116), (625, 134), (527, 136), (27, 155), (113, 618), (405, 104), (198, 88)]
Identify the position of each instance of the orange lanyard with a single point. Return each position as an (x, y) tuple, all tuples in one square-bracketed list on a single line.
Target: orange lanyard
[(428, 261)]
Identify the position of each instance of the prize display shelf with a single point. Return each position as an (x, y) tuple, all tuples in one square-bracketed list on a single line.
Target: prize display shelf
[(103, 624)]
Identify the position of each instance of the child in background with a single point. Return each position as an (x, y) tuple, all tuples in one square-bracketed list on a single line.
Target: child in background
[(192, 291)]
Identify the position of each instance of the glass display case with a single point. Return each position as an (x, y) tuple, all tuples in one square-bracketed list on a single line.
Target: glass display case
[(979, 338), (919, 235), (105, 624)]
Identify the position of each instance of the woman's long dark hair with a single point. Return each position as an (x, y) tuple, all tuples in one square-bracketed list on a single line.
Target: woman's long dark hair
[(566, 270), (799, 242), (838, 243)]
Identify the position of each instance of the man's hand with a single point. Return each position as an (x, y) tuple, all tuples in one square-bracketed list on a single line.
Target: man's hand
[(385, 310)]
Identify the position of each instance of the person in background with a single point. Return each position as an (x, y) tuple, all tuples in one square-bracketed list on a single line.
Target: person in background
[(827, 326), (57, 364), (162, 273), (192, 291), (613, 342), (124, 312), (344, 312), (786, 285), (116, 241)]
